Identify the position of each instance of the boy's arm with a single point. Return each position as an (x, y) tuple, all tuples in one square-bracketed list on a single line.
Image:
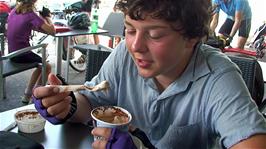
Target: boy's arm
[(254, 142)]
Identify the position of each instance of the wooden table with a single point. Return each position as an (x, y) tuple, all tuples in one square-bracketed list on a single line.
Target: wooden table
[(66, 136)]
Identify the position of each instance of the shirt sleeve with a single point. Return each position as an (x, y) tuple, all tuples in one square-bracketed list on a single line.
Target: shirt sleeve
[(36, 21), (239, 5), (234, 115)]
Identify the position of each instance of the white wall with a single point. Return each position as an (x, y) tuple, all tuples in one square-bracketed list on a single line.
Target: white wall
[(258, 8), (106, 6)]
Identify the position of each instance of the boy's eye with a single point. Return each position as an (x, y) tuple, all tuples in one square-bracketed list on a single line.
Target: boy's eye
[(155, 35), (130, 31)]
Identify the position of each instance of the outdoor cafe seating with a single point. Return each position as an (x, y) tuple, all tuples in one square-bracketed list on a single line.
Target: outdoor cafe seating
[(8, 68)]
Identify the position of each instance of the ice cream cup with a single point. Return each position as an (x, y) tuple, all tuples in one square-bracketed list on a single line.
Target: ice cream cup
[(111, 117), (29, 121)]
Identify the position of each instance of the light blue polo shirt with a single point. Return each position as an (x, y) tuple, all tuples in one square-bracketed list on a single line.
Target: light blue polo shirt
[(232, 6), (208, 102)]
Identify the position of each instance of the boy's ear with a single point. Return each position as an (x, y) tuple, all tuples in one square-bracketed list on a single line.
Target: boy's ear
[(191, 42)]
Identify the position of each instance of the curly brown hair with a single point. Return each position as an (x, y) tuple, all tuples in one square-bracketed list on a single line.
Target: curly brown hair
[(191, 17)]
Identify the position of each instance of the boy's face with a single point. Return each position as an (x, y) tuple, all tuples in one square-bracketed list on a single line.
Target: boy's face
[(157, 50)]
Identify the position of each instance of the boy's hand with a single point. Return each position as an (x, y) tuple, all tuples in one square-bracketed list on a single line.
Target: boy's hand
[(51, 104), (45, 12)]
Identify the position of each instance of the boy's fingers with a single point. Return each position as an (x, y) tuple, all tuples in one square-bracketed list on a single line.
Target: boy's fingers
[(53, 80), (41, 92), (102, 132)]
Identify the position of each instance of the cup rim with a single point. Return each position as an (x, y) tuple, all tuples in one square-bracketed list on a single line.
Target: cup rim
[(112, 124), (39, 120)]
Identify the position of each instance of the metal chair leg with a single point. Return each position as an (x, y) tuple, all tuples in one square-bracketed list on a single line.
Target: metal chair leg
[(2, 88), (44, 65)]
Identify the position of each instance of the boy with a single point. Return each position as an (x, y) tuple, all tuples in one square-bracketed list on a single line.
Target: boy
[(181, 93)]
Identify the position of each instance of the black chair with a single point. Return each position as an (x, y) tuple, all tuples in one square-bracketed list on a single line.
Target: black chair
[(114, 24), (252, 75), (96, 54), (8, 68), (95, 58)]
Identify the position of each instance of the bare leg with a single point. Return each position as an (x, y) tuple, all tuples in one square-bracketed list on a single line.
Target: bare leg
[(35, 80), (96, 39), (31, 83), (241, 42), (48, 71)]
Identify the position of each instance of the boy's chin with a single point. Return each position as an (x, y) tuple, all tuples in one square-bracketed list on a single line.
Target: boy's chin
[(145, 74)]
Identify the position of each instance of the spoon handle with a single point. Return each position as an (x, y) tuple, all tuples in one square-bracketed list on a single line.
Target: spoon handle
[(104, 85), (68, 88)]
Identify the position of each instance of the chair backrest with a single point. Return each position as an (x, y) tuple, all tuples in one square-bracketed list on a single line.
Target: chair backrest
[(8, 68), (252, 75), (95, 59), (114, 24), (96, 54)]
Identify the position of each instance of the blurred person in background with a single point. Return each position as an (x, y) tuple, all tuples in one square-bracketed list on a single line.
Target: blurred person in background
[(22, 20), (238, 19)]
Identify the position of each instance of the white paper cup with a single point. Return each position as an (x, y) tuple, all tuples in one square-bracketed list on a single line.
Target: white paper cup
[(29, 121), (111, 117)]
